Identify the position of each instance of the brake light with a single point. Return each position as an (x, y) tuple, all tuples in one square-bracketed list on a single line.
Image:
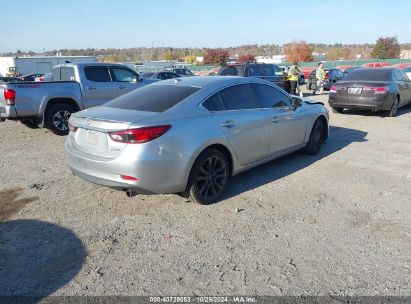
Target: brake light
[(140, 135), (72, 128), (10, 96), (333, 89), (377, 90), (129, 178)]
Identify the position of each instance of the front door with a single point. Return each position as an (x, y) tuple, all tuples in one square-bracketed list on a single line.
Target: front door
[(287, 126), (125, 79)]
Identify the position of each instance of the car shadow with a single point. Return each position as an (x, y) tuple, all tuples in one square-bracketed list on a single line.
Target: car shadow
[(401, 111), (36, 259), (286, 165)]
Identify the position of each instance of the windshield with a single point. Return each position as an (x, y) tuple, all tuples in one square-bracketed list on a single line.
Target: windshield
[(152, 98)]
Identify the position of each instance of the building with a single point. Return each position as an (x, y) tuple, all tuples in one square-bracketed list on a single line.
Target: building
[(39, 64), (274, 59)]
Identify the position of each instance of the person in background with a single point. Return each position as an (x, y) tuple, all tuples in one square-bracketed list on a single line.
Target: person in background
[(320, 77), (293, 74)]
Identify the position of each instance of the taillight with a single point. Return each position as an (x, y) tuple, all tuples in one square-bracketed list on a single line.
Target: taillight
[(377, 90), (335, 89), (129, 178), (140, 135), (72, 128), (10, 96)]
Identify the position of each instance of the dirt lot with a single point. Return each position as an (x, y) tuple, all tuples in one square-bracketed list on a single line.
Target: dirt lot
[(338, 223)]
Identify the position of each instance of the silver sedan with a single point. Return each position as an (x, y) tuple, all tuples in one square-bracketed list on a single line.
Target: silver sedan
[(190, 135)]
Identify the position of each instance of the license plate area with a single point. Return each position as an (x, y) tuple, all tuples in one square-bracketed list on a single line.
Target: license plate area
[(92, 138), (354, 90)]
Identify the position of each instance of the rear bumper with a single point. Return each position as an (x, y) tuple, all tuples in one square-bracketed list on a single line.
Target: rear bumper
[(383, 102), (8, 111), (156, 173)]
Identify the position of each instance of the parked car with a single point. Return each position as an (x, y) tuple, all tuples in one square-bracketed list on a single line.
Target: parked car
[(183, 72), (8, 79), (193, 141), (350, 69), (46, 77), (407, 71), (301, 78), (331, 77), (163, 75), (307, 71), (74, 87), (344, 67), (29, 77), (269, 72), (373, 89)]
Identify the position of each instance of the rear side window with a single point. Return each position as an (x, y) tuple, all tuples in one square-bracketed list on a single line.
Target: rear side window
[(267, 70), (97, 74), (254, 70), (270, 97), (123, 75), (231, 71), (238, 97), (152, 98), (67, 74), (214, 103)]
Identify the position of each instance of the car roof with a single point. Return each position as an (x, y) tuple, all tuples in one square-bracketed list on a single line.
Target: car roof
[(203, 81)]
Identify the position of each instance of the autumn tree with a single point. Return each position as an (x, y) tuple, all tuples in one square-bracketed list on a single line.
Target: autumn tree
[(347, 54), (216, 56), (246, 58), (298, 51), (334, 54), (386, 47), (168, 56), (191, 59)]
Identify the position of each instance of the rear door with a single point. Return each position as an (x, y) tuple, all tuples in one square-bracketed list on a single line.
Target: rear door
[(407, 83), (402, 85), (242, 121), (125, 79), (287, 127), (98, 87)]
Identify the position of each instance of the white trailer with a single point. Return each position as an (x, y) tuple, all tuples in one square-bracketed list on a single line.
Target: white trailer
[(39, 64)]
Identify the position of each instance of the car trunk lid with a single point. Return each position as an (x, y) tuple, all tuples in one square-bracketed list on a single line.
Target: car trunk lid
[(361, 88), (94, 125)]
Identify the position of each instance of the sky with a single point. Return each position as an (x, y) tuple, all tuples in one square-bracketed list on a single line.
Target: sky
[(73, 24)]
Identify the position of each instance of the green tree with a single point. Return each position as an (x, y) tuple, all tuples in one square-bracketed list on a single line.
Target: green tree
[(386, 47)]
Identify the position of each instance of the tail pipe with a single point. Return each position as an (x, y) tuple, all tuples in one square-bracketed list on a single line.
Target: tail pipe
[(131, 193)]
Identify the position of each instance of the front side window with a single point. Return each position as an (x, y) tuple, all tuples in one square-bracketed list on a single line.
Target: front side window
[(238, 97), (97, 74), (123, 75), (270, 97)]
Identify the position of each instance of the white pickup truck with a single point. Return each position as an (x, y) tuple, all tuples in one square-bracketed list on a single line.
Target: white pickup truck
[(74, 87)]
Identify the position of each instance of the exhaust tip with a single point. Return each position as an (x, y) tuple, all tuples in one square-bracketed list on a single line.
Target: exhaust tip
[(131, 193)]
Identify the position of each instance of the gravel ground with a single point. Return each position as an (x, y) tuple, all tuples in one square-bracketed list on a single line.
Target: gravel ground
[(337, 223)]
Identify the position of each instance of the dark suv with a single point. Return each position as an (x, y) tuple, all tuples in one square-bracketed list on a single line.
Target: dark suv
[(269, 72)]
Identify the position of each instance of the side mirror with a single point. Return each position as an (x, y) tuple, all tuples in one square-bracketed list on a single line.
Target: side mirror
[(296, 102)]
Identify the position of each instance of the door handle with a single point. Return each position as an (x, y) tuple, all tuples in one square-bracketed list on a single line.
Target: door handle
[(91, 88), (228, 124), (121, 87), (275, 119)]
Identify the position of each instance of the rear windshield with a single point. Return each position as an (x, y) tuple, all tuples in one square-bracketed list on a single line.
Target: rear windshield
[(369, 75), (235, 70), (152, 98)]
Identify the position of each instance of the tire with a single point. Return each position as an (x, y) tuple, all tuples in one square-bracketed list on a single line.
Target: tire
[(57, 118), (301, 80), (210, 171), (394, 109), (308, 86), (313, 146), (338, 110)]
